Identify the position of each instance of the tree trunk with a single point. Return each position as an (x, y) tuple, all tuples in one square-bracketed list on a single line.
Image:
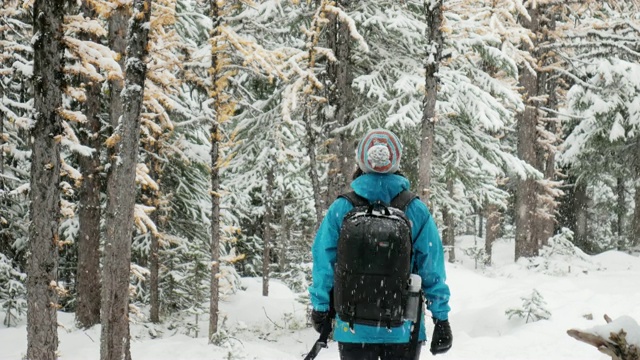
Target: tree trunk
[(435, 37), (635, 236), (340, 77), (310, 132), (527, 244), (118, 43), (581, 230), (121, 192), (479, 214), (284, 236), (266, 233), (448, 234), (2, 141), (621, 206), (154, 278), (215, 231), (493, 228), (88, 270), (42, 299), (216, 74), (547, 153)]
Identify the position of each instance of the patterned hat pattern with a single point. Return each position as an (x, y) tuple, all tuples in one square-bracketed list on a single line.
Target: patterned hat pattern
[(379, 151)]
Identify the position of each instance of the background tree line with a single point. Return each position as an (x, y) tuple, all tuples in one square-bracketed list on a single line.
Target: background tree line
[(196, 141)]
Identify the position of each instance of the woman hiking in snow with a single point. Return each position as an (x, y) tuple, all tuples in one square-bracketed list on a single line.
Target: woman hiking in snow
[(376, 253)]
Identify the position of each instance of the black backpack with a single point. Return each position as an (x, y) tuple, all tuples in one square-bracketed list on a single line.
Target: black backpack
[(373, 262)]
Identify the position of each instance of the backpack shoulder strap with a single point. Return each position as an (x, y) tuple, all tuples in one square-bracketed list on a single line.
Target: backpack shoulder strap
[(355, 199), (402, 200)]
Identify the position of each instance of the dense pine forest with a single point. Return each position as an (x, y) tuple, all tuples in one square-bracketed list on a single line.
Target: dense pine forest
[(154, 152)]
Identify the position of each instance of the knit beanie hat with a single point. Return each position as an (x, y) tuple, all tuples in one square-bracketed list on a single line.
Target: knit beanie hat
[(379, 151)]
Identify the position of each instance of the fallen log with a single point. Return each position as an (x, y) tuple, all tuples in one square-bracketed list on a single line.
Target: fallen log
[(619, 338)]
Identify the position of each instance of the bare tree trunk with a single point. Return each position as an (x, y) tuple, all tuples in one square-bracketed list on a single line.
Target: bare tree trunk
[(547, 153), (284, 236), (215, 231), (479, 214), (2, 141), (313, 166), (266, 233), (216, 69), (448, 233), (581, 218), (121, 191), (154, 279), (493, 226), (435, 37), (635, 235), (88, 270), (340, 76), (621, 206), (526, 193), (310, 132), (118, 43), (42, 299)]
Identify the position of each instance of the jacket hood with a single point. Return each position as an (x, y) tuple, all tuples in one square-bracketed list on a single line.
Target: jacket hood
[(379, 187)]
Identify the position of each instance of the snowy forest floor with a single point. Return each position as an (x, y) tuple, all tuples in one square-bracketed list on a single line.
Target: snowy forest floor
[(574, 288)]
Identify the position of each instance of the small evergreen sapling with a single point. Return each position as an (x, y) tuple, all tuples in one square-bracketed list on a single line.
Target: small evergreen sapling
[(12, 292), (533, 308)]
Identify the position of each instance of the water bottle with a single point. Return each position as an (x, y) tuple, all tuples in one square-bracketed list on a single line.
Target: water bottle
[(413, 300)]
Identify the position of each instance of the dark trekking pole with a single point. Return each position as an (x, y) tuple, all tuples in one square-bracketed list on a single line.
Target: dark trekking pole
[(326, 331), (323, 339)]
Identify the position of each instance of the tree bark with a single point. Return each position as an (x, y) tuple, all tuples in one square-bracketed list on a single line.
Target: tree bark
[(266, 233), (479, 214), (546, 221), (527, 242), (435, 37), (581, 230), (2, 184), (121, 191), (313, 166), (340, 75), (89, 213), (154, 266), (309, 122), (635, 236), (215, 232), (448, 234), (42, 299), (493, 228), (118, 43), (284, 236), (216, 68), (621, 206)]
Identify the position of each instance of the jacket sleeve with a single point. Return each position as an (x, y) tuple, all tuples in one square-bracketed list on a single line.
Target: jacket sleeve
[(324, 254), (429, 259)]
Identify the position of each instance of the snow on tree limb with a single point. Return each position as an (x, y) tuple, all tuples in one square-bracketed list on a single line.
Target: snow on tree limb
[(619, 338), (353, 30)]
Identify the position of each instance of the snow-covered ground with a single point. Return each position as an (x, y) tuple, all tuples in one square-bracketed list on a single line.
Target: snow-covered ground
[(274, 327)]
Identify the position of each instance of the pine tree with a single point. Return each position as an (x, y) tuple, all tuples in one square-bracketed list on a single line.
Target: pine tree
[(12, 291), (433, 57), (533, 308), (16, 70), (121, 192), (87, 62), (602, 119), (42, 332)]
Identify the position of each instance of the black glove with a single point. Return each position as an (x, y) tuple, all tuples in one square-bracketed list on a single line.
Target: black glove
[(442, 337), (319, 319)]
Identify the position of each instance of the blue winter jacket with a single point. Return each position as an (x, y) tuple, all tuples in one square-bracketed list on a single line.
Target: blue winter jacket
[(428, 258)]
